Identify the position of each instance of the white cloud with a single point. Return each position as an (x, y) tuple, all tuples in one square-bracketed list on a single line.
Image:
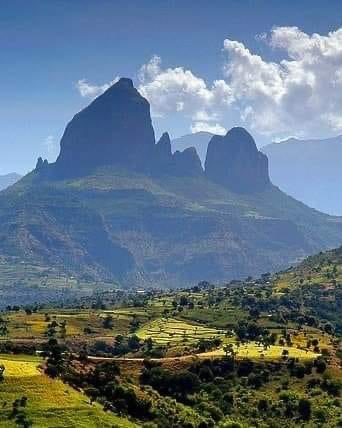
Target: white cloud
[(300, 95), (208, 127), (178, 90), (89, 90)]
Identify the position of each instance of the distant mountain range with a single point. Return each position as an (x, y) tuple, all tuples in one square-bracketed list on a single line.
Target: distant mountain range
[(8, 179), (309, 170), (117, 205)]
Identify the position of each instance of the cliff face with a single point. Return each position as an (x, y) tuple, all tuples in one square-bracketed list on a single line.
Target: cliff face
[(187, 163), (115, 128), (235, 162)]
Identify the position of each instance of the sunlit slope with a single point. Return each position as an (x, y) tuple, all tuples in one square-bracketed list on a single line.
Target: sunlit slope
[(50, 403), (136, 229)]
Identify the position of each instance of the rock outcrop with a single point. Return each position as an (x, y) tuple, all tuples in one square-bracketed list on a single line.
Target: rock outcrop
[(234, 162), (41, 164), (115, 129), (187, 163), (181, 163), (162, 162)]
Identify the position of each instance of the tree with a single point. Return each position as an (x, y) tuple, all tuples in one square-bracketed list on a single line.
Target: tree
[(304, 409), (93, 393), (133, 342), (108, 322), (2, 371), (320, 365), (229, 351), (262, 405), (134, 324), (3, 327)]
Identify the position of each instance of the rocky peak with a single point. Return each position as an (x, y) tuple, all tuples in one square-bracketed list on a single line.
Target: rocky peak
[(116, 128), (125, 81), (235, 162), (41, 164), (163, 146), (187, 163)]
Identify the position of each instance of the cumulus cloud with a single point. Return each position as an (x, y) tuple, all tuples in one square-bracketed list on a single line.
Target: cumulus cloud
[(300, 95), (208, 127), (90, 90), (177, 89)]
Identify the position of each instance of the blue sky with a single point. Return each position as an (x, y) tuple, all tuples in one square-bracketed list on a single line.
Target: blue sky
[(47, 47)]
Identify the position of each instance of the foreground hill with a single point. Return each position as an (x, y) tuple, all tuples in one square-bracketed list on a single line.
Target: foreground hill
[(47, 402), (245, 354), (309, 170), (116, 205)]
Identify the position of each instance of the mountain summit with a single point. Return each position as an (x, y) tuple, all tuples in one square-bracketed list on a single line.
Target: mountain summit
[(234, 161), (116, 128)]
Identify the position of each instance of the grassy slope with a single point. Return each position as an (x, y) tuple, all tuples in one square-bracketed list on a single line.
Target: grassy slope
[(50, 402), (177, 229)]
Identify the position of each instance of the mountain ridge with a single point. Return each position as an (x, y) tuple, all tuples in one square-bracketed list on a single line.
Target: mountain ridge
[(308, 170), (153, 218)]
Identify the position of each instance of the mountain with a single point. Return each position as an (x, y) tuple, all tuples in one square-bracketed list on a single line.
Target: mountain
[(198, 140), (309, 170), (8, 179), (116, 128), (116, 205), (235, 162)]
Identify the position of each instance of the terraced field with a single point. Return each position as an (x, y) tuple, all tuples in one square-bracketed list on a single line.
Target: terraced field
[(169, 330), (22, 326), (50, 403), (255, 351)]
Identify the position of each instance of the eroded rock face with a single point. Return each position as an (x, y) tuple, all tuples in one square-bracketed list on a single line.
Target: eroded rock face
[(115, 129), (234, 162), (187, 163), (181, 163), (162, 162)]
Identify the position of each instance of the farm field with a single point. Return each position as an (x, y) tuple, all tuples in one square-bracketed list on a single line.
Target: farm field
[(257, 352), (50, 403), (249, 353), (34, 326), (164, 331)]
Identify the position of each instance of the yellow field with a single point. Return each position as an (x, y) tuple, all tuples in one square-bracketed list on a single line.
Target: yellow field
[(35, 326), (255, 351), (50, 403), (19, 368), (169, 330)]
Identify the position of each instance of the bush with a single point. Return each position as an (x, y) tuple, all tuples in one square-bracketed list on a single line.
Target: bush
[(304, 409)]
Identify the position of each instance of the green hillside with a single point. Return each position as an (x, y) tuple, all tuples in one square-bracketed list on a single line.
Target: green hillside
[(245, 354), (48, 402), (140, 230)]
